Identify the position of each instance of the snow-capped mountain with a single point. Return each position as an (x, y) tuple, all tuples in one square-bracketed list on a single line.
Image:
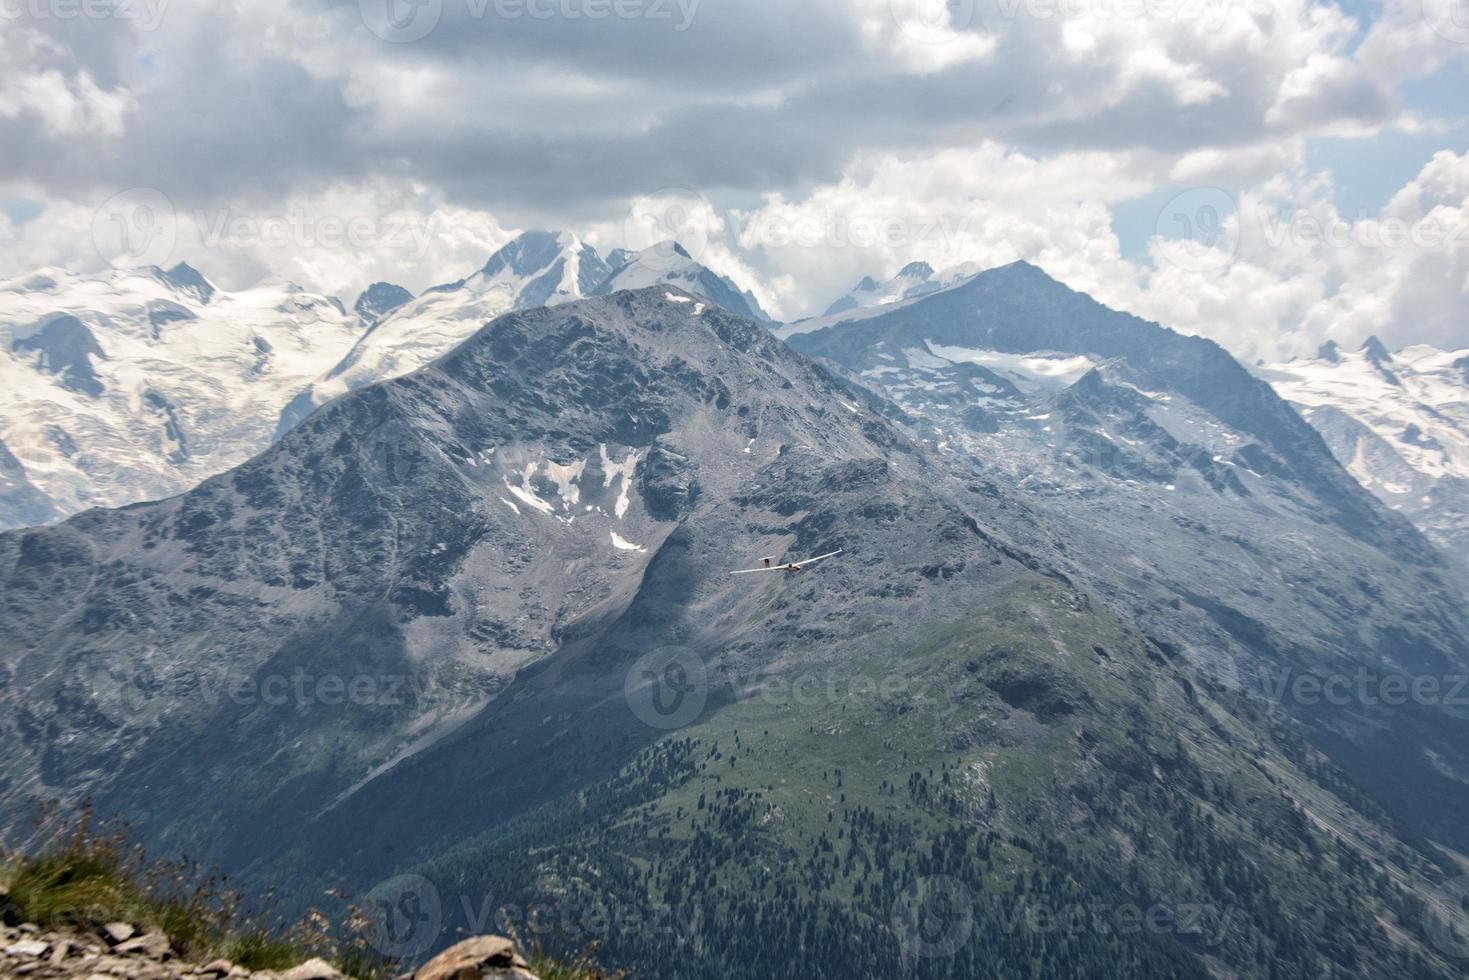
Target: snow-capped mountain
[(498, 594), (1399, 422), (538, 268), (669, 263), (137, 385), (379, 300), (912, 281)]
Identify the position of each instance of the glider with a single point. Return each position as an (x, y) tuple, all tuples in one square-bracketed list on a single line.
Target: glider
[(791, 566)]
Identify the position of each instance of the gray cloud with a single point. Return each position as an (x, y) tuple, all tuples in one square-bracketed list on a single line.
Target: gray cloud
[(524, 112)]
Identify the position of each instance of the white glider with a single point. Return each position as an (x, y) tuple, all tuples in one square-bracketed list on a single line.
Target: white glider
[(790, 566)]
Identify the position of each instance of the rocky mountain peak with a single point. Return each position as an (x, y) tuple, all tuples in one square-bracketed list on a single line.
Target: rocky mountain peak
[(1376, 350), (378, 300), (65, 346), (186, 278)]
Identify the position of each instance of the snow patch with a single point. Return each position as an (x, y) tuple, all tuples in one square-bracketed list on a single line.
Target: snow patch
[(565, 478), (612, 471), (622, 544), (524, 493), (1034, 371)]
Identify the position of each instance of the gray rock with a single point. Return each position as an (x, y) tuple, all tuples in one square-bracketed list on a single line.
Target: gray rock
[(117, 932), (154, 945), (480, 958), (28, 947), (312, 969)]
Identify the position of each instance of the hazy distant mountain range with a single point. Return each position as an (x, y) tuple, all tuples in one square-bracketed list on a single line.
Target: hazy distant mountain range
[(139, 385), (1399, 422)]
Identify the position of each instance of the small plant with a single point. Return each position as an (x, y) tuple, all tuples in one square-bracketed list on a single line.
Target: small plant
[(583, 966), (80, 871)]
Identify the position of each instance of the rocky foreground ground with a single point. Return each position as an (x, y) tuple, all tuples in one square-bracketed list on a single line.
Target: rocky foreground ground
[(118, 950)]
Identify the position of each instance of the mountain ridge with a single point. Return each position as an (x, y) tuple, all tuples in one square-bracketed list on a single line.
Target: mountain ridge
[(1022, 685)]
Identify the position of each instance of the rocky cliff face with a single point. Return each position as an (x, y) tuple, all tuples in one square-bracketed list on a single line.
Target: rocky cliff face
[(468, 640)]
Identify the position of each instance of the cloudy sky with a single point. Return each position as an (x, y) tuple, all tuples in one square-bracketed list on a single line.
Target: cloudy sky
[(1271, 173)]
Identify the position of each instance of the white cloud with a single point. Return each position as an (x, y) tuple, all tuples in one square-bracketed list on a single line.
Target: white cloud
[(337, 240), (840, 138)]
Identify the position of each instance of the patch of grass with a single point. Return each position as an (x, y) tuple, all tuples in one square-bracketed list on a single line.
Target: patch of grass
[(580, 967), (81, 872)]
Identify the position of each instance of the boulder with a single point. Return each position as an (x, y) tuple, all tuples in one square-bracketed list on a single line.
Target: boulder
[(220, 967), (28, 947), (154, 945), (480, 958), (117, 932), (312, 969)]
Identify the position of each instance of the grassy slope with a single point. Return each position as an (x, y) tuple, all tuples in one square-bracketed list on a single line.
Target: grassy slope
[(1025, 783)]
